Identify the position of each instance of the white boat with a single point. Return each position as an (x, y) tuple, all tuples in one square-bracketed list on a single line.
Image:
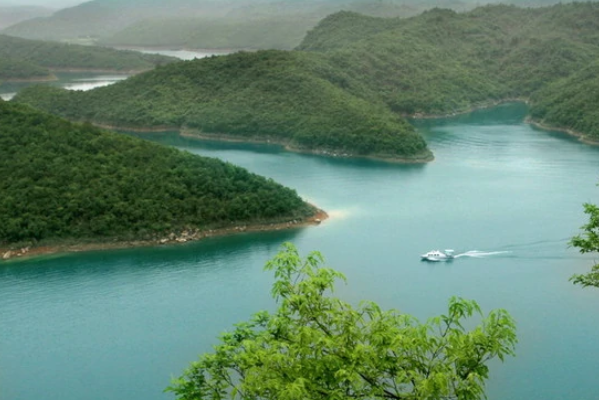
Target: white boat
[(438, 255)]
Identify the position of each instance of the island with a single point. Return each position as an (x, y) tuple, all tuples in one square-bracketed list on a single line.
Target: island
[(70, 187)]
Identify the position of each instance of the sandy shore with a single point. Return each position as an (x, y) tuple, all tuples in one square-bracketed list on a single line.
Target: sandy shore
[(10, 253)]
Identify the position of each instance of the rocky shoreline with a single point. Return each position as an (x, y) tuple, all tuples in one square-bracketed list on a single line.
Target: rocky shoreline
[(190, 235)]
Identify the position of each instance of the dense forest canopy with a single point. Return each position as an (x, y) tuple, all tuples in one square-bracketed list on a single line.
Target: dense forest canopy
[(52, 55), (11, 69), (290, 98), (65, 181), (571, 103), (345, 87)]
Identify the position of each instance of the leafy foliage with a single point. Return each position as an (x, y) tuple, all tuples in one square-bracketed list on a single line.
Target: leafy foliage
[(70, 56), (61, 180), (588, 242), (316, 346)]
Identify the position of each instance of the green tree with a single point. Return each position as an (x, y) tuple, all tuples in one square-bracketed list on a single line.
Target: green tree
[(588, 242), (316, 346)]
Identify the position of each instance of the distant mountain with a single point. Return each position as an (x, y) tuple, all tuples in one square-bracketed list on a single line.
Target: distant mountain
[(353, 77), (101, 18), (255, 24), (60, 56), (280, 25), (69, 183), (10, 15)]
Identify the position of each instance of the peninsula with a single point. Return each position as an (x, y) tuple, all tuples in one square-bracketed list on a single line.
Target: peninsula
[(68, 187)]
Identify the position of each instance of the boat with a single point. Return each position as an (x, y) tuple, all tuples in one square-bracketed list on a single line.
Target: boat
[(438, 255)]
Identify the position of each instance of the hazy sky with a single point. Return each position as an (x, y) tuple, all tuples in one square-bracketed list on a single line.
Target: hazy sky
[(46, 3)]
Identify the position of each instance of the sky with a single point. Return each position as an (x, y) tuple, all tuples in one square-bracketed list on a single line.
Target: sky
[(45, 3)]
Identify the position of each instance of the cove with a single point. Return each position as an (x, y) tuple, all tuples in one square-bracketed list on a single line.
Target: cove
[(119, 324)]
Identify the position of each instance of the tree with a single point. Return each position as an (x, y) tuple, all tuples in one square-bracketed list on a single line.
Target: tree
[(588, 242), (316, 346)]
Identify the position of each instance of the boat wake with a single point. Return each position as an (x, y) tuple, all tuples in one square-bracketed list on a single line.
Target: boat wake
[(481, 254)]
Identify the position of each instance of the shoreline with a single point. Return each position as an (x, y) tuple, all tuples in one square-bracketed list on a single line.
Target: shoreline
[(24, 253), (219, 51), (194, 134), (101, 70), (49, 78), (480, 106), (570, 132), (265, 140)]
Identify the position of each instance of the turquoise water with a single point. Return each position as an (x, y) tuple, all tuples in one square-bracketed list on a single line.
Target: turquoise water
[(119, 324)]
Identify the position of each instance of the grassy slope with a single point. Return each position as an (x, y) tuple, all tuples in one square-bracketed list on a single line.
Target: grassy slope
[(62, 181)]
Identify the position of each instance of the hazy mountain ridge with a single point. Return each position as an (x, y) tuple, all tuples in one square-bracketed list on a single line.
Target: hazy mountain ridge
[(48, 55), (10, 15), (246, 24)]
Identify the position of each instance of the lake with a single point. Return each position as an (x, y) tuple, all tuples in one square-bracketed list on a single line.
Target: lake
[(92, 80), (66, 80), (506, 196)]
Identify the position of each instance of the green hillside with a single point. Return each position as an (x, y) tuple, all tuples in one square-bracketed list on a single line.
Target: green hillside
[(343, 91), (442, 62), (64, 181), (572, 103), (52, 55), (283, 97), (14, 70)]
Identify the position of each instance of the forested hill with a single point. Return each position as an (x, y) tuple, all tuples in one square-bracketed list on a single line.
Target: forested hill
[(443, 61), (572, 103), (291, 98), (67, 182), (53, 55), (344, 93), (14, 70)]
